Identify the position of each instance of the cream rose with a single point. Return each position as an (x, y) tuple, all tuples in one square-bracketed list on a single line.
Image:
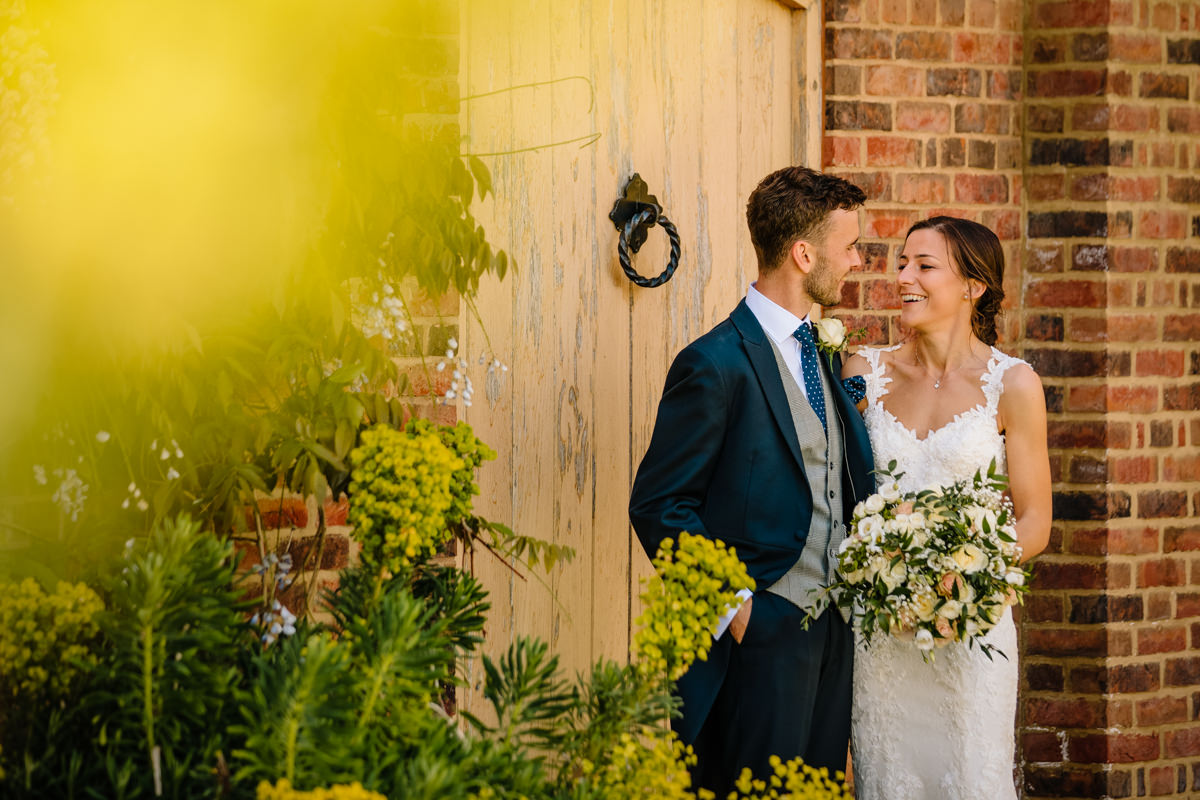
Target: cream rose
[(832, 332), (894, 575), (951, 609), (873, 504), (924, 605), (969, 559)]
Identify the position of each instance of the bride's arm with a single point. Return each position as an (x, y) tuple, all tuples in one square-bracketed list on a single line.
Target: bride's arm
[(1023, 417), (856, 366)]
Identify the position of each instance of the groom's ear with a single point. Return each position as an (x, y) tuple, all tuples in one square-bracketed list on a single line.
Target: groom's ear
[(802, 255)]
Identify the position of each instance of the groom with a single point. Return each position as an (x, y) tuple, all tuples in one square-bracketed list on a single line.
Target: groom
[(757, 444)]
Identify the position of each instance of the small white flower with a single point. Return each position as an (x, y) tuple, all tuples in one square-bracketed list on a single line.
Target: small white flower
[(142, 505), (453, 343), (165, 454), (125, 503), (39, 474), (172, 474), (890, 492), (1015, 577), (450, 394), (924, 640), (871, 528), (103, 436)]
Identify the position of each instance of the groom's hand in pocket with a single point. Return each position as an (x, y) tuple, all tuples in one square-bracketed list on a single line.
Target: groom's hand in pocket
[(737, 627)]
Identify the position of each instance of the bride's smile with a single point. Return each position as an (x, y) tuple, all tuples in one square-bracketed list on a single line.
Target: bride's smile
[(931, 289)]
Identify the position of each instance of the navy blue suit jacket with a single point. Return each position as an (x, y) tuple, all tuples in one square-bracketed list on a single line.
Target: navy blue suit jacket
[(724, 462)]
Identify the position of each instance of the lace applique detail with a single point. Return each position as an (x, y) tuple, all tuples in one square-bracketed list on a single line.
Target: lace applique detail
[(876, 380)]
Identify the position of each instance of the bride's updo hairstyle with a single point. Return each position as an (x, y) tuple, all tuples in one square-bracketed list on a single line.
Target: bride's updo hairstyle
[(977, 255)]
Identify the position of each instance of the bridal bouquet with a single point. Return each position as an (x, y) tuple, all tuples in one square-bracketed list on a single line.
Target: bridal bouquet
[(939, 565)]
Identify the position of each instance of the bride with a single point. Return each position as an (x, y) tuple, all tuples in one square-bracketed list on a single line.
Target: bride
[(942, 405)]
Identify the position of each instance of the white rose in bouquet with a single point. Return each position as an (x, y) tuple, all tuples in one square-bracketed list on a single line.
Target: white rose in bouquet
[(970, 559), (871, 528), (924, 605), (873, 504), (893, 575), (950, 609)]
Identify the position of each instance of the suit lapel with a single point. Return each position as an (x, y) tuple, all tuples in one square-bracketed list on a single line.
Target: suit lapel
[(762, 360)]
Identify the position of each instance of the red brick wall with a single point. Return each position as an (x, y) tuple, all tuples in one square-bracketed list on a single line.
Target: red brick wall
[(1071, 128), (1112, 640)]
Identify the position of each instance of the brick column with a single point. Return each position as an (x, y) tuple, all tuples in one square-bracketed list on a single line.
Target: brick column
[(1112, 633)]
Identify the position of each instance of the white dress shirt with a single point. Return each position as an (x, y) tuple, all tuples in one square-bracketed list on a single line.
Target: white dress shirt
[(779, 324)]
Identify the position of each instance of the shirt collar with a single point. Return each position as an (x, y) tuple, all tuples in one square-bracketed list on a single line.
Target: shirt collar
[(776, 321)]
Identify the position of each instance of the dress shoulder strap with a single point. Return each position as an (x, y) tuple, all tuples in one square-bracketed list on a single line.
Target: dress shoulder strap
[(993, 377), (877, 379)]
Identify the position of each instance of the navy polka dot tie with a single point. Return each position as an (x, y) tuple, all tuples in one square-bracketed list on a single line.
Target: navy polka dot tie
[(809, 368)]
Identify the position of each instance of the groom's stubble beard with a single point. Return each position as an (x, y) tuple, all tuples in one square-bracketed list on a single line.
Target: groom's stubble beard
[(822, 285)]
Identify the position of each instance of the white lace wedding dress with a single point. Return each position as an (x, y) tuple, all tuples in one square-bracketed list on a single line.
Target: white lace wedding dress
[(941, 730)]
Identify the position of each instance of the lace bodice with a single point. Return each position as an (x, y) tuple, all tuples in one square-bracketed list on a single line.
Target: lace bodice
[(952, 452), (943, 729)]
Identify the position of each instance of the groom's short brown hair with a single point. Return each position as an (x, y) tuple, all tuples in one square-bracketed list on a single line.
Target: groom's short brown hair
[(791, 204)]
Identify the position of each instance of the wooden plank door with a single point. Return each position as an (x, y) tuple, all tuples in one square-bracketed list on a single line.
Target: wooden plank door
[(702, 98)]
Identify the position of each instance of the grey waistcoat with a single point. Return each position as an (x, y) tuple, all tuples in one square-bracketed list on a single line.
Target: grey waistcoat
[(823, 462)]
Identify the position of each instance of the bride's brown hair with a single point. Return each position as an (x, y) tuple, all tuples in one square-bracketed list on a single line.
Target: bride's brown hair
[(978, 256)]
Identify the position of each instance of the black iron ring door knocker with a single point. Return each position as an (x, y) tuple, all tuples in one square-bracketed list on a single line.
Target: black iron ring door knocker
[(633, 215)]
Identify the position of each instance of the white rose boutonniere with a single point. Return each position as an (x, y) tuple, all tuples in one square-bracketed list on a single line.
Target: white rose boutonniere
[(831, 335)]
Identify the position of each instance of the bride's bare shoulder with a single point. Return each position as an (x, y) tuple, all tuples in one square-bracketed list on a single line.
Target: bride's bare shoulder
[(856, 364)]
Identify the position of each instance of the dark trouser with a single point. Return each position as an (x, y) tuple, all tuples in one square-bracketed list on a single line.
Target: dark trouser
[(786, 693)]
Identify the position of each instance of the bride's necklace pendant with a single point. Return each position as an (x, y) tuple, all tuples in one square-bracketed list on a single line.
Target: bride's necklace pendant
[(937, 384)]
